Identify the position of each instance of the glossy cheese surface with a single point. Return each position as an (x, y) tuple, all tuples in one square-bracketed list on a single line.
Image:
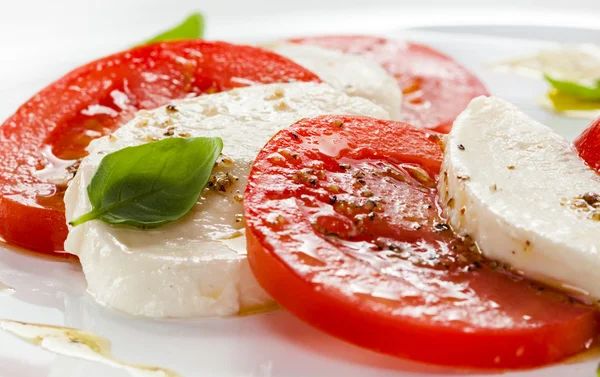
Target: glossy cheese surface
[(521, 192)]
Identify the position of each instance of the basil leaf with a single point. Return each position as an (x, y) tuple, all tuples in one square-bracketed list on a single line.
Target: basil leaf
[(151, 184), (191, 28), (578, 90)]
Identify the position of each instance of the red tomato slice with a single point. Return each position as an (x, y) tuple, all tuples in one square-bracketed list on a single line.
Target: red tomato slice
[(343, 230), (59, 122), (588, 145), (436, 88)]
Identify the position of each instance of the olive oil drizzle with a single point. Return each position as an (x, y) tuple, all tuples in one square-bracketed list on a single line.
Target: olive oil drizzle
[(78, 344), (5, 290)]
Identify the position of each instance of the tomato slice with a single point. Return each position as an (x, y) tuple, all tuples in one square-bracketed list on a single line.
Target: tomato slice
[(436, 88), (588, 145), (49, 132), (343, 230)]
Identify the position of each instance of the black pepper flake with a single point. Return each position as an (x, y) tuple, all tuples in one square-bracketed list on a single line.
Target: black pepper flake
[(477, 264), (591, 198), (72, 169), (172, 108), (511, 167), (440, 227), (461, 147), (371, 216), (370, 204), (295, 135), (332, 199)]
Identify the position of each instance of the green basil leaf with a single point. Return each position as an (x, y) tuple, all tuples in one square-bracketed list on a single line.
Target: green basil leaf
[(191, 28), (151, 184), (577, 90)]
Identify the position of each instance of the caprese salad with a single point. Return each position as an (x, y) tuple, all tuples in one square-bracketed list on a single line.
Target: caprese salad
[(371, 187)]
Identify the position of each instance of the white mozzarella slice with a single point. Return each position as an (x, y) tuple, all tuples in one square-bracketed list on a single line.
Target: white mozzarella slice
[(196, 266), (579, 63), (519, 190), (352, 74)]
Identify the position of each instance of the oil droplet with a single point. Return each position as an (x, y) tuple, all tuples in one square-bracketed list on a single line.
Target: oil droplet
[(78, 344), (258, 309), (235, 241), (584, 113), (332, 145), (5, 290), (56, 171)]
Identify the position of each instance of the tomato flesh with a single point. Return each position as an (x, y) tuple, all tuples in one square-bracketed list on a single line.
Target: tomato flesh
[(588, 145), (435, 87), (344, 231), (55, 126)]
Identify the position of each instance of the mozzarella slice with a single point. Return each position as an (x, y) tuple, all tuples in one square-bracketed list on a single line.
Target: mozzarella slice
[(352, 74), (579, 63), (195, 266), (524, 196)]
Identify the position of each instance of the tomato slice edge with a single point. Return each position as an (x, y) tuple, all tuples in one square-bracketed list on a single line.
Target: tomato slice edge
[(587, 145)]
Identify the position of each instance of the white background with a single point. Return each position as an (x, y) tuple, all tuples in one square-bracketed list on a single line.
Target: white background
[(46, 38)]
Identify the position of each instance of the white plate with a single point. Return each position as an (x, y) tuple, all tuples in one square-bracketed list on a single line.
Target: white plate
[(267, 345)]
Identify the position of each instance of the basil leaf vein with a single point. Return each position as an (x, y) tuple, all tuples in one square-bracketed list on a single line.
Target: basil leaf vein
[(191, 28), (152, 184)]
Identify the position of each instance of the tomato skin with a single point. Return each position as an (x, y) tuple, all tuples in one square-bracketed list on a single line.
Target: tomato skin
[(34, 228), (312, 276), (443, 346), (95, 99), (588, 145), (436, 89)]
